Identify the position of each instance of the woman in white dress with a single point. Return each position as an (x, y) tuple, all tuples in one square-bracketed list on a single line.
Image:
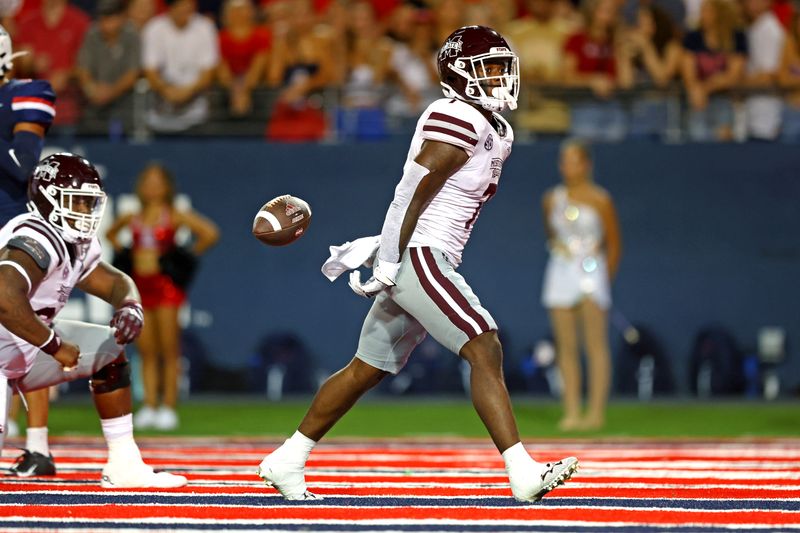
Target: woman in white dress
[(584, 241)]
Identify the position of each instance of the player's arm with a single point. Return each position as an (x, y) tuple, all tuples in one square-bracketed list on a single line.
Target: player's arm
[(19, 156), (23, 265), (118, 289), (440, 160), (422, 179)]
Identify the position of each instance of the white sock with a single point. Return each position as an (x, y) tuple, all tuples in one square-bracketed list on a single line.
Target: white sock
[(517, 458), (295, 449), (300, 444), (119, 438), (36, 440)]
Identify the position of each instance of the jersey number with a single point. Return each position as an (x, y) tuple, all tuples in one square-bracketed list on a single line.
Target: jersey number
[(487, 195)]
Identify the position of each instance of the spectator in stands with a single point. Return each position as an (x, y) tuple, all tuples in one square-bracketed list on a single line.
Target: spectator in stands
[(490, 13), (712, 65), (413, 62), (765, 42), (585, 248), (366, 69), (179, 55), (160, 269), (108, 67), (301, 65), (140, 12), (539, 39), (656, 55), (53, 34), (449, 15), (597, 59), (789, 80), (244, 50)]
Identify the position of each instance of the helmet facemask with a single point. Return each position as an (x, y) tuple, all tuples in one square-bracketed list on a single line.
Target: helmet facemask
[(7, 54), (491, 90), (76, 213)]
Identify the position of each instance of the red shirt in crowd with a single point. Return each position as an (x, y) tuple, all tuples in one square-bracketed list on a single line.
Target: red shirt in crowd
[(239, 53), (594, 57), (58, 44)]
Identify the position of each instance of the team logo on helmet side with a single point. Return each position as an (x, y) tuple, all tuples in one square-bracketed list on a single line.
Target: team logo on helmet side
[(47, 170), (452, 48)]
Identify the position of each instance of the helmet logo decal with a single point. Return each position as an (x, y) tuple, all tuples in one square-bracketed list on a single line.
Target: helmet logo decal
[(452, 48), (47, 171)]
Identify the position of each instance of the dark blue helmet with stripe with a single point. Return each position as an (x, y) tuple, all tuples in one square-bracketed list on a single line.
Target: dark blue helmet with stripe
[(66, 190)]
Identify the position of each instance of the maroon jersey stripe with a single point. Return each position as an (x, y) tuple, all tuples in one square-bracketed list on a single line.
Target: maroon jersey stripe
[(453, 133), (452, 120), (433, 294), (454, 293), (48, 234)]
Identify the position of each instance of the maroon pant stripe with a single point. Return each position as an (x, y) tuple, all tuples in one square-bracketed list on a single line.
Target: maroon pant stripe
[(453, 291), (437, 298)]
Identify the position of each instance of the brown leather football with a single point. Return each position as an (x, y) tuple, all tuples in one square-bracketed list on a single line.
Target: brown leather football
[(282, 220)]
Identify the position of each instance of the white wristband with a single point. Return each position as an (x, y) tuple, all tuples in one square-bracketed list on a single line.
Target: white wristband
[(45, 343)]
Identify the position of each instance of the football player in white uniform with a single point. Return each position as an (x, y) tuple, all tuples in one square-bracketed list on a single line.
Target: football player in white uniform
[(452, 169), (44, 254)]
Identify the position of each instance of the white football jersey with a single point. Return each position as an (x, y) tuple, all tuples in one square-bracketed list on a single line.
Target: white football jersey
[(447, 222), (66, 268)]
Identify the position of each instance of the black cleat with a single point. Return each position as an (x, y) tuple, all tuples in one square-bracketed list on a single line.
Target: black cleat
[(31, 464)]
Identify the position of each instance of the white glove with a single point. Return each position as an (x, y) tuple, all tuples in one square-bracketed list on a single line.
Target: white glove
[(383, 277)]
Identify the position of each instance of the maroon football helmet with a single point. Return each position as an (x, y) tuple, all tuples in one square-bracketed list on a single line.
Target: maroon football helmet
[(476, 65), (66, 190)]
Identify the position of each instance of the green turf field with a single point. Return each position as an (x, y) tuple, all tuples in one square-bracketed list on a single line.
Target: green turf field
[(437, 417)]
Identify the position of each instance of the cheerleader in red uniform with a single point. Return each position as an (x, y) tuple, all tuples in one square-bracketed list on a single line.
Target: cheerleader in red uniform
[(162, 271)]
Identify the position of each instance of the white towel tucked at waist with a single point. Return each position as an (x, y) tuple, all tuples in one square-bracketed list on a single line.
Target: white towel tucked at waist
[(350, 255)]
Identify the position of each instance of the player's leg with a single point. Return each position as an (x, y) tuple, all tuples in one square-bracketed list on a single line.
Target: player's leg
[(598, 354), (388, 336), (104, 363), (36, 460), (169, 348), (337, 395), (442, 301), (147, 346), (565, 331), (284, 468), (12, 426), (488, 388)]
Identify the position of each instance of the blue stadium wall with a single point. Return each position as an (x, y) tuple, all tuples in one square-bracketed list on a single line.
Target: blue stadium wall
[(711, 235)]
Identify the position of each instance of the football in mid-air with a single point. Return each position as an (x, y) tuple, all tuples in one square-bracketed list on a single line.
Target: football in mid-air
[(282, 220)]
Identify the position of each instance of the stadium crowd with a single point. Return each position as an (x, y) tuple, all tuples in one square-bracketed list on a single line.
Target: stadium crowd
[(702, 70)]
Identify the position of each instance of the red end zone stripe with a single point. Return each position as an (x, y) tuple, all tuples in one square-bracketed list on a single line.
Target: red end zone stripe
[(319, 511), (568, 491)]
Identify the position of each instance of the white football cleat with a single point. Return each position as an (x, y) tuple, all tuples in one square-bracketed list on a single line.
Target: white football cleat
[(287, 477), (553, 475), (121, 476)]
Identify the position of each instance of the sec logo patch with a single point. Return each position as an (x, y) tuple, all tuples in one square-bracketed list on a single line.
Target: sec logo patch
[(489, 142)]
